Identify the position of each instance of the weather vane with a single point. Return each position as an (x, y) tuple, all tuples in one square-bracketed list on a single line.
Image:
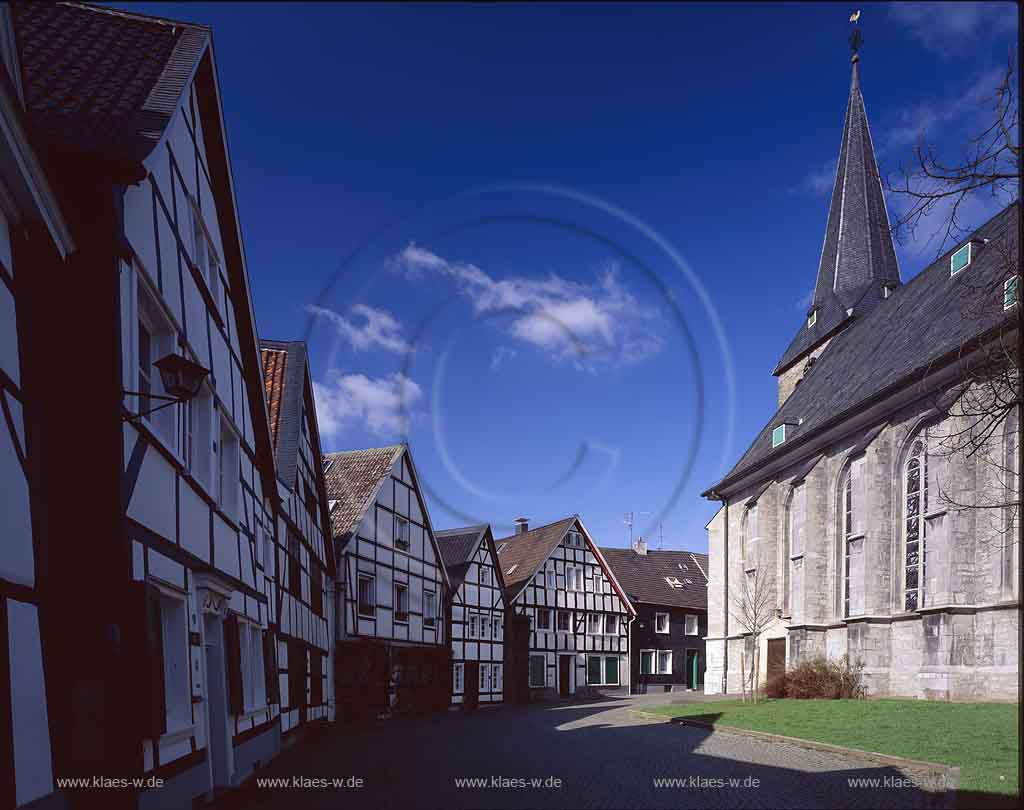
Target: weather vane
[(855, 38)]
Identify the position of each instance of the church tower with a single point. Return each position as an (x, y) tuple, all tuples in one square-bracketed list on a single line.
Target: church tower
[(858, 267)]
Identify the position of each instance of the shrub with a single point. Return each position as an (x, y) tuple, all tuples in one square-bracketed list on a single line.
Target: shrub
[(822, 678), (775, 687)]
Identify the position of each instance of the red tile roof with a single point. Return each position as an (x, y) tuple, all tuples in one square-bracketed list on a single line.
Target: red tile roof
[(275, 364)]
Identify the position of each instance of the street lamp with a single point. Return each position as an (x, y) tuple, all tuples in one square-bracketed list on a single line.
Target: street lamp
[(181, 379)]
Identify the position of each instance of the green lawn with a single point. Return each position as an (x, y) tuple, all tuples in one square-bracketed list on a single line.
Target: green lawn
[(982, 738)]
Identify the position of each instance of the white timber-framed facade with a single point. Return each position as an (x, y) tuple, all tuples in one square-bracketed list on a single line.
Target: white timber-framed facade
[(393, 653), (299, 553), (577, 613), (475, 613)]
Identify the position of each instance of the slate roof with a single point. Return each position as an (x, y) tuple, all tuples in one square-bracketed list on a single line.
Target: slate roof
[(857, 257), (527, 552), (897, 342), (352, 479), (103, 81), (642, 576), (457, 547), (284, 377)]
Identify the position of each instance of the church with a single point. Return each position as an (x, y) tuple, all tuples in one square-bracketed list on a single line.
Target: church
[(869, 532)]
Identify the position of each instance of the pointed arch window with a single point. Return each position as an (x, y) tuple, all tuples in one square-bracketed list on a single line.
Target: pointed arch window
[(852, 532), (796, 516), (1009, 474), (915, 528), (750, 537)]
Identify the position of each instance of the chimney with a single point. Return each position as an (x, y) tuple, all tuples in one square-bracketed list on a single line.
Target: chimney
[(522, 525), (640, 546)]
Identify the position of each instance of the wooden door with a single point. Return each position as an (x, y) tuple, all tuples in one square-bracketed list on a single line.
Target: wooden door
[(471, 685), (564, 668), (776, 657)]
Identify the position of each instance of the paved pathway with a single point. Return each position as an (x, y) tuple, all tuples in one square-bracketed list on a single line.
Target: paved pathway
[(573, 755)]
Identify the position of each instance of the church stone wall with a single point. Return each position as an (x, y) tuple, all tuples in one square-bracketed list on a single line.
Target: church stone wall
[(963, 643)]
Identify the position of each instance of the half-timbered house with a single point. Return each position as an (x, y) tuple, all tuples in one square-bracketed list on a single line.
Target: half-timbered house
[(669, 589), (299, 562), (475, 615), (31, 225), (392, 652), (158, 641), (578, 614)]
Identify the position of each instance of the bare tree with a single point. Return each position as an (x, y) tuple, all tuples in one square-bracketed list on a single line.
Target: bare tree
[(982, 408), (753, 610)]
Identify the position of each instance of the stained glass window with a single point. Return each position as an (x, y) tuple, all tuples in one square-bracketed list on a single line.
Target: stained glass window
[(914, 526)]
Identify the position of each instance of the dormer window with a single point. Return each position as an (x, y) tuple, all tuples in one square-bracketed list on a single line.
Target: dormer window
[(778, 436), (960, 259), (812, 318), (673, 582), (1010, 295)]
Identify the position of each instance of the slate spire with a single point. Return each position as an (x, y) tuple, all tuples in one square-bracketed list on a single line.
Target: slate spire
[(857, 259)]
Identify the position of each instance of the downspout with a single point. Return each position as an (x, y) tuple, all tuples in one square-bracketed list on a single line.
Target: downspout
[(725, 601), (629, 655)]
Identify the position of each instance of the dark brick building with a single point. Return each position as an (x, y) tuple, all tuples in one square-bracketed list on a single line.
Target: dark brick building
[(669, 591)]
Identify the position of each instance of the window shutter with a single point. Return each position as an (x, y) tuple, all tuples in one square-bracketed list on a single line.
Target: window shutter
[(233, 654), (144, 648), (270, 668)]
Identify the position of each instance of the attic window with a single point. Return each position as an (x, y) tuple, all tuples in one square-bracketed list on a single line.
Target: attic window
[(812, 318), (1010, 295), (500, 547), (778, 436), (673, 582), (960, 259), (513, 568), (330, 506)]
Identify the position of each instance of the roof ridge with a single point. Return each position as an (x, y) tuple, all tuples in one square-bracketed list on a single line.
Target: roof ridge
[(136, 15)]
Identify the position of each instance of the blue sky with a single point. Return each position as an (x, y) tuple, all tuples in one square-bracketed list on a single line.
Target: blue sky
[(562, 247)]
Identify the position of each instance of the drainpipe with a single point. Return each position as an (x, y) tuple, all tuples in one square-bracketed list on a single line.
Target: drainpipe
[(629, 655), (725, 583)]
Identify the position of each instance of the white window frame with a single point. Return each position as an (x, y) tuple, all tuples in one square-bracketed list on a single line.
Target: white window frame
[(485, 678), (546, 612), (614, 618), (174, 629), (254, 686), (657, 624), (429, 608), (812, 318), (163, 338), (360, 577), (458, 678), (595, 624), (474, 625), (695, 619), (604, 671), (778, 435), (228, 483), (1011, 292), (550, 579), (404, 586), (496, 678), (667, 669), (485, 575), (402, 533), (567, 614), (952, 258), (485, 626)]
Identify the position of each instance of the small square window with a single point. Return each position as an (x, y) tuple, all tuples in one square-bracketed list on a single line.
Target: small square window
[(960, 259), (1010, 292), (594, 623), (778, 435), (661, 623)]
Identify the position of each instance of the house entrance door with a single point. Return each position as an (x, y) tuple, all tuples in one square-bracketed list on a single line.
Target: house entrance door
[(471, 691), (776, 657), (219, 739), (564, 668)]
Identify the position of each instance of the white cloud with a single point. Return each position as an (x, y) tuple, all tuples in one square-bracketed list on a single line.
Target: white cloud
[(819, 181), (947, 27), (381, 405), (379, 328), (585, 323)]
